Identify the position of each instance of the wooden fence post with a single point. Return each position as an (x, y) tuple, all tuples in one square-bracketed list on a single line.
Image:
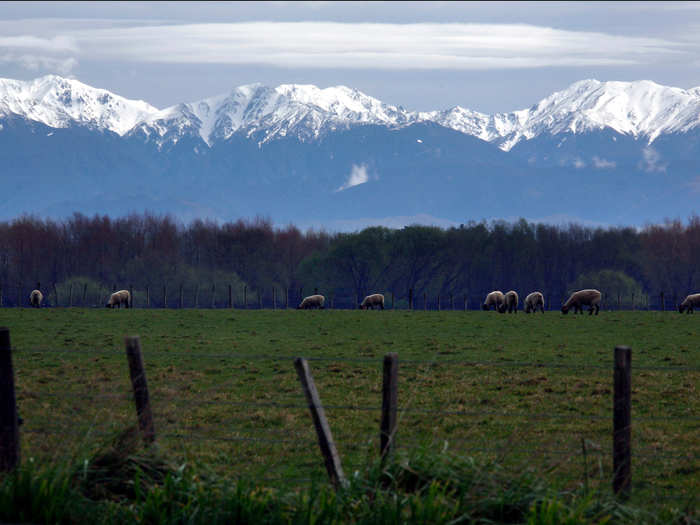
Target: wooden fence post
[(392, 300), (466, 306), (245, 296), (286, 298), (663, 303), (410, 298), (131, 296), (55, 291), (259, 300), (9, 424), (425, 300), (230, 296), (182, 298), (140, 387), (148, 296), (452, 302), (196, 295), (622, 421), (19, 295), (165, 296), (0, 296), (632, 300), (387, 433), (84, 301), (274, 299), (323, 430), (213, 295), (619, 301), (70, 295), (438, 302)]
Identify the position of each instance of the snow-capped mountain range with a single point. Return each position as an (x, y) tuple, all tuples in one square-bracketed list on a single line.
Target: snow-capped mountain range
[(641, 109), (604, 152)]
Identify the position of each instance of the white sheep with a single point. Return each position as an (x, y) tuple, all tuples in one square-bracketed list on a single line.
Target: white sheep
[(690, 303), (117, 299), (376, 299), (511, 302), (495, 299), (35, 298), (583, 298), (534, 301), (312, 301)]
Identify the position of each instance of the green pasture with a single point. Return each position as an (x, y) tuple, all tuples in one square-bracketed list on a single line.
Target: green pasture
[(533, 392)]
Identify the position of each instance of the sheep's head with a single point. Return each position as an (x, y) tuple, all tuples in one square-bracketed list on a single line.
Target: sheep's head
[(681, 308), (484, 306), (565, 309), (502, 308)]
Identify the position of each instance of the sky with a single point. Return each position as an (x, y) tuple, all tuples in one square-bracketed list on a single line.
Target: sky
[(490, 56)]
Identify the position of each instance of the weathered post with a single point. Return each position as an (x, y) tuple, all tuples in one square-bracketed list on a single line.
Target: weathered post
[(622, 422), (274, 299), (387, 435), (466, 306), (182, 298), (323, 430), (410, 298), (165, 296), (245, 296), (663, 303), (196, 295), (19, 295), (230, 296), (148, 296), (55, 291), (9, 423), (632, 300), (425, 300), (140, 387), (131, 296), (619, 301), (452, 303), (259, 300), (392, 300), (0, 296), (438, 302), (70, 295), (84, 302), (213, 295), (286, 298)]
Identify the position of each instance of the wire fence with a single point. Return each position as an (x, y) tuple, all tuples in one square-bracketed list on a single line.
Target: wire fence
[(255, 421)]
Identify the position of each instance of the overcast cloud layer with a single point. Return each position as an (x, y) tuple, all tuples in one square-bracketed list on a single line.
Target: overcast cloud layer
[(420, 55)]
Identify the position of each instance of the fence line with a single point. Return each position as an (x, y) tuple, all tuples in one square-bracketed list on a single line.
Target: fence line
[(622, 474)]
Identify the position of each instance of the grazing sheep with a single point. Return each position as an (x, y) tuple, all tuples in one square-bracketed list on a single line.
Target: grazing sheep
[(35, 298), (118, 299), (312, 301), (495, 299), (376, 299), (583, 298), (511, 302), (534, 301), (690, 303)]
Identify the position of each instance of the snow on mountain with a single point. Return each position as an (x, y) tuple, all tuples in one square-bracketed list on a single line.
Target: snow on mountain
[(302, 110), (642, 109), (58, 102)]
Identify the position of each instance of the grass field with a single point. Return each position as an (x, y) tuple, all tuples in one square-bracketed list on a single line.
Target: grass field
[(225, 394)]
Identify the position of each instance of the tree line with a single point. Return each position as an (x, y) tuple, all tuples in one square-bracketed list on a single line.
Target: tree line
[(143, 250)]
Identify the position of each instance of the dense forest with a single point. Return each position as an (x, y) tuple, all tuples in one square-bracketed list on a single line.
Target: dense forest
[(81, 259)]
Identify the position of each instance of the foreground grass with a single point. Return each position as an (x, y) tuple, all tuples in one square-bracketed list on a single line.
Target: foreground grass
[(225, 394), (124, 485)]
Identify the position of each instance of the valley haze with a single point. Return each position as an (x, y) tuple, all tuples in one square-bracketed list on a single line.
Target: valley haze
[(598, 153)]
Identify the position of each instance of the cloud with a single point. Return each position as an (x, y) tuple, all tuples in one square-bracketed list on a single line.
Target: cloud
[(38, 62), (601, 163), (358, 175), (651, 161), (415, 46), (35, 53), (578, 163)]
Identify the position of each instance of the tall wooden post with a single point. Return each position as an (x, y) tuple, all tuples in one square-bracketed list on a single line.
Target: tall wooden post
[(148, 296), (392, 300), (84, 301), (213, 295), (410, 298), (425, 300), (230, 296), (140, 387), (259, 300), (286, 298), (323, 430), (274, 299), (182, 297), (196, 295), (452, 303), (1, 297), (131, 296), (663, 303), (70, 295), (438, 302), (165, 296), (466, 307), (245, 296), (387, 435), (19, 295), (55, 291), (9, 424), (622, 421), (619, 301)]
